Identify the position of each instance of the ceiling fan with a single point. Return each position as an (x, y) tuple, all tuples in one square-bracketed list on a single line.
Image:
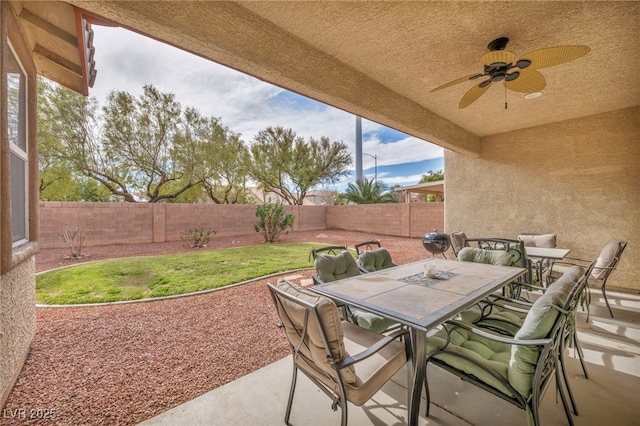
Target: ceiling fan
[(517, 74)]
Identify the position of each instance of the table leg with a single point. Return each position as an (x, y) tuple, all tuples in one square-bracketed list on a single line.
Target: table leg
[(418, 340)]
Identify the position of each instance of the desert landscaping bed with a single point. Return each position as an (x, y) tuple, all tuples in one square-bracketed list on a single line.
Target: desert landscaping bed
[(122, 364)]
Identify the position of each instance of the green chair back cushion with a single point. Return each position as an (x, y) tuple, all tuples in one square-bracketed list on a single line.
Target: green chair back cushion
[(334, 267), (492, 257), (375, 260), (484, 353)]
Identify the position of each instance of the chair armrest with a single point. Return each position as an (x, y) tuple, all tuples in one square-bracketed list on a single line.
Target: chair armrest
[(496, 338), (523, 309), (519, 302), (371, 350)]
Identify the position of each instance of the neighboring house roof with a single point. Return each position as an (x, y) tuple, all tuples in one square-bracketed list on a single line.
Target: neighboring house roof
[(435, 188)]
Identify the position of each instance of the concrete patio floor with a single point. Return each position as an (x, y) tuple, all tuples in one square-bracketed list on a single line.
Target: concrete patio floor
[(611, 395)]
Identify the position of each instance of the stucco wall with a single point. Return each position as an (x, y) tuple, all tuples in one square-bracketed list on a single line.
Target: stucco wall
[(17, 321), (579, 179)]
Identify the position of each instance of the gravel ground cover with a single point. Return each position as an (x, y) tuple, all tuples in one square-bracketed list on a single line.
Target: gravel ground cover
[(124, 363)]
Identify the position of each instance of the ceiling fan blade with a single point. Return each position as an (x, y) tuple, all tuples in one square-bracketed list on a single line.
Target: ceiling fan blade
[(529, 81), (504, 56), (556, 55), (473, 94), (460, 80)]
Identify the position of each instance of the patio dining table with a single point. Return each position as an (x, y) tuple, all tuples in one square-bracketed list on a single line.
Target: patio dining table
[(404, 294), (546, 255)]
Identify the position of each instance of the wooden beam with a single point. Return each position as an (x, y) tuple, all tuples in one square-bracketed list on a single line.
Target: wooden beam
[(48, 27), (57, 59)]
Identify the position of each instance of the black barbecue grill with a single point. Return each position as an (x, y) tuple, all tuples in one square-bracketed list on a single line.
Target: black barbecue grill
[(436, 243)]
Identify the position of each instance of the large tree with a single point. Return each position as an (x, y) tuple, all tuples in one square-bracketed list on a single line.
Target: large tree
[(133, 154), (220, 158), (287, 165), (139, 155), (432, 176), (367, 191)]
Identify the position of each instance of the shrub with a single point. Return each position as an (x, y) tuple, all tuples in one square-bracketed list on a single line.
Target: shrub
[(75, 241), (272, 221), (198, 236)]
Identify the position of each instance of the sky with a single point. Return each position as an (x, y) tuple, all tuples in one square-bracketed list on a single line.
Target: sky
[(127, 61)]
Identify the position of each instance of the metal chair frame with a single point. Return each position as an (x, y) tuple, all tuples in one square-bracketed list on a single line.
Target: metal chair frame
[(339, 399), (453, 246), (541, 265), (368, 245), (335, 249), (508, 245), (546, 367), (331, 250), (578, 293), (608, 270)]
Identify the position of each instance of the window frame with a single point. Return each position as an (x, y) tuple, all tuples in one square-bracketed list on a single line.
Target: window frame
[(15, 149)]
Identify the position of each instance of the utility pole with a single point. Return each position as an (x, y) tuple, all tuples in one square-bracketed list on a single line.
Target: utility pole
[(358, 148), (375, 161)]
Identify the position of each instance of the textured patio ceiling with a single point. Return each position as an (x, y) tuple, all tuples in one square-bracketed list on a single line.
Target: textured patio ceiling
[(380, 60)]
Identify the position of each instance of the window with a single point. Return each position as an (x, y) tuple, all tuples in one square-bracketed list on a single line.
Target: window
[(17, 136)]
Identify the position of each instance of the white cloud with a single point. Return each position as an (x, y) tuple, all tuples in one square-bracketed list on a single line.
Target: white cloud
[(127, 61)]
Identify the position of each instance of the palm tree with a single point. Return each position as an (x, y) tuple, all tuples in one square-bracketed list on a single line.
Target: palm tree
[(368, 192)]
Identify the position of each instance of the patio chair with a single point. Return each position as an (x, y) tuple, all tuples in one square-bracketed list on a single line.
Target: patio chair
[(367, 245), (334, 267), (331, 267), (322, 345), (515, 253), (375, 260), (517, 369), (538, 240), (506, 316), (457, 242), (327, 250), (605, 264)]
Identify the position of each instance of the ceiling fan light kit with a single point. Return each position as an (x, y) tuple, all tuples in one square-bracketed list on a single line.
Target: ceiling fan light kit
[(516, 74), (533, 95)]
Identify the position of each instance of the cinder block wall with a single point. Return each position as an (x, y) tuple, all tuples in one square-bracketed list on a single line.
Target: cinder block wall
[(129, 223), (402, 219), (102, 223)]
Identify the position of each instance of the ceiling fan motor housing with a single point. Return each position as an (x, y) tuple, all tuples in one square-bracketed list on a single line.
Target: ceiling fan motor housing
[(498, 44)]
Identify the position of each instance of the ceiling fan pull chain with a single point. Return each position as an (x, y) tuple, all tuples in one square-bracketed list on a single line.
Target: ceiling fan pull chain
[(505, 97)]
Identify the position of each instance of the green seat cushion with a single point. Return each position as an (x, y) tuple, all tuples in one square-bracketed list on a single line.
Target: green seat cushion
[(516, 363), (484, 353), (372, 322)]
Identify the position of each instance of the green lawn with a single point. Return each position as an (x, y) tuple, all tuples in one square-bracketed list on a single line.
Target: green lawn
[(157, 276)]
